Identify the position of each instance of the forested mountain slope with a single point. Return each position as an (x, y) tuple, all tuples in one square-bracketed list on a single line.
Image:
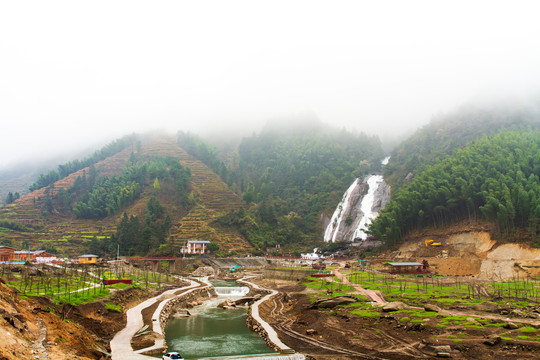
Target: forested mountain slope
[(494, 179), (291, 174), (137, 197), (442, 136)]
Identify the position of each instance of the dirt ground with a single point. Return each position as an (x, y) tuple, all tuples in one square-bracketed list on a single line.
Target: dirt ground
[(35, 326), (337, 334)]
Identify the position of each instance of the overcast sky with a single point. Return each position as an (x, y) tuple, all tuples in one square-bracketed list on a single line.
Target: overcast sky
[(74, 72)]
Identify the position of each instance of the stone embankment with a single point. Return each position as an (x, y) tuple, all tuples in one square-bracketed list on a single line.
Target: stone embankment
[(182, 301), (261, 327), (121, 347)]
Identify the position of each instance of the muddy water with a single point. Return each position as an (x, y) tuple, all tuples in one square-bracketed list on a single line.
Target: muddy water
[(213, 331)]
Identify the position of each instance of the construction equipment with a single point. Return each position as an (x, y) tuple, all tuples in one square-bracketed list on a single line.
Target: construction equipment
[(363, 262), (432, 243), (237, 267)]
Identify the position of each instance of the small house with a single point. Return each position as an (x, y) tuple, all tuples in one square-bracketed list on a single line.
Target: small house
[(408, 267), (43, 257), (88, 259), (195, 247)]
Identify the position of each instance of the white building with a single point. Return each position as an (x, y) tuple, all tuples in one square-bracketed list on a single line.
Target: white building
[(195, 247)]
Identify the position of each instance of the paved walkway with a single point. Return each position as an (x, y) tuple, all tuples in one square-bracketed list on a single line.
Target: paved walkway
[(121, 343), (156, 324), (272, 335)]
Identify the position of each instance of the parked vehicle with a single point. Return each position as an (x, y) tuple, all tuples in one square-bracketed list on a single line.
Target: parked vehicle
[(172, 355)]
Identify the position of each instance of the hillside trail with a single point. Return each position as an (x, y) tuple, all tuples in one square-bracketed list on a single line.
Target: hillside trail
[(369, 293), (381, 302)]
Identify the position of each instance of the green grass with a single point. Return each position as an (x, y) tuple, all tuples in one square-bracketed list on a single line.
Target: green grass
[(528, 330), (79, 298), (113, 307), (523, 337), (494, 325), (365, 313), (433, 289), (358, 304), (405, 319)]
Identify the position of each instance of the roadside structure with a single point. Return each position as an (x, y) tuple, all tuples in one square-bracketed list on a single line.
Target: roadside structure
[(408, 267), (88, 259)]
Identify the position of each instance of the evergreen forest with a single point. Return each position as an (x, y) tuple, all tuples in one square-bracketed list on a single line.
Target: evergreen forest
[(495, 178)]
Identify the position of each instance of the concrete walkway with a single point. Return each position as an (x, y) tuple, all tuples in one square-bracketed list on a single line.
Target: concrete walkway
[(156, 324), (272, 335), (121, 348), (121, 343)]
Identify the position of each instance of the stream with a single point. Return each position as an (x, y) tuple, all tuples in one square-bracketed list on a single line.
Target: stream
[(215, 332)]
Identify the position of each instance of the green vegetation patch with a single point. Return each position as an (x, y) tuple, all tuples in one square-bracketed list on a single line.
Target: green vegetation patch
[(528, 330), (113, 307), (365, 313)]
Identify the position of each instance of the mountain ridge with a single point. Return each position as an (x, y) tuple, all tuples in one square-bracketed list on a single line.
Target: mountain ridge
[(69, 234)]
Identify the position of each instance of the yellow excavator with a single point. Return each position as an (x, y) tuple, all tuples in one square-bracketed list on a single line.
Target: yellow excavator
[(432, 243)]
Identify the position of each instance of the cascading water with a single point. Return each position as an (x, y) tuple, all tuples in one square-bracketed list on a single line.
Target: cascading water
[(367, 206), (355, 212), (342, 208), (231, 291)]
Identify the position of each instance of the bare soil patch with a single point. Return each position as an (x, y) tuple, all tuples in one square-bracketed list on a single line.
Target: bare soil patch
[(338, 334)]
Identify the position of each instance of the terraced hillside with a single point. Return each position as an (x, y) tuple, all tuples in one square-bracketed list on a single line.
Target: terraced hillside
[(70, 235), (215, 199)]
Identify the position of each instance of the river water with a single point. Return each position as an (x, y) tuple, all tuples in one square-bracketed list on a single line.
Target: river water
[(214, 332)]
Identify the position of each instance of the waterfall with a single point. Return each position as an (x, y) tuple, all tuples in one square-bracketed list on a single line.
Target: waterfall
[(231, 291), (336, 220), (355, 210), (367, 206)]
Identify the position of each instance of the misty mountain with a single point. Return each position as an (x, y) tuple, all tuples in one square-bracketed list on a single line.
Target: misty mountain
[(293, 175), (273, 188), (444, 134)]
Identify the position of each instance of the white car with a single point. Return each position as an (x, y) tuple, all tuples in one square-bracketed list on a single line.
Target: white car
[(172, 355)]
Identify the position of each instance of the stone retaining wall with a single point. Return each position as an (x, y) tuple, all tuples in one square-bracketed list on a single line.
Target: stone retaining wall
[(286, 274), (256, 326), (180, 302)]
